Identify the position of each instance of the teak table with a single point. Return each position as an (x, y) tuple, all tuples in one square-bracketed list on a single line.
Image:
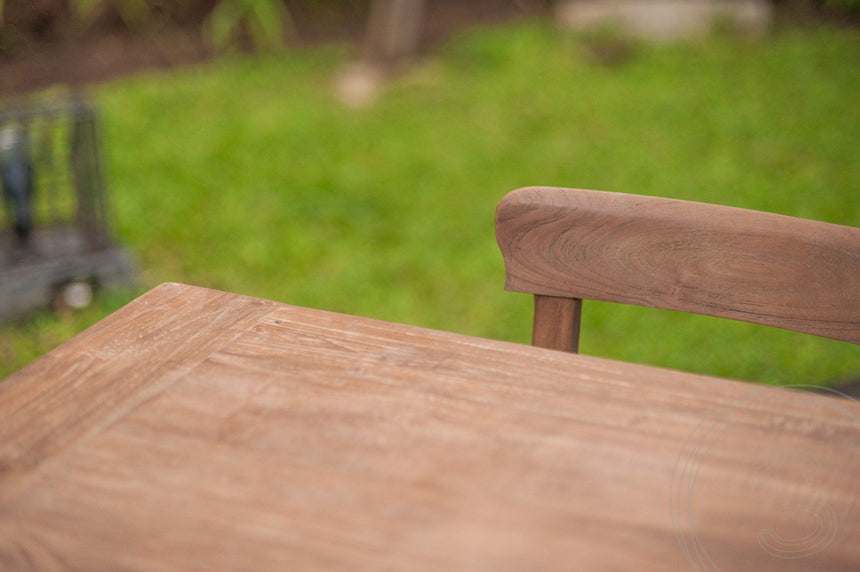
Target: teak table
[(200, 430)]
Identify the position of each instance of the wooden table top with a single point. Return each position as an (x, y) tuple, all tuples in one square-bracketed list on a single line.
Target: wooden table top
[(200, 430)]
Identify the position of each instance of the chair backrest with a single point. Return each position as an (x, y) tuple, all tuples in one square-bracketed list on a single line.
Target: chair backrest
[(566, 245)]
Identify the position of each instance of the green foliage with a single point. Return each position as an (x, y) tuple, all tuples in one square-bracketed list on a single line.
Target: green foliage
[(249, 176), (850, 6), (262, 19), (134, 13)]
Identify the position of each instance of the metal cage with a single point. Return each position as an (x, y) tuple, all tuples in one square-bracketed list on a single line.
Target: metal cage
[(56, 232)]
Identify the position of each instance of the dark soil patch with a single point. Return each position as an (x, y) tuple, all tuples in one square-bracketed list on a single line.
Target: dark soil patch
[(111, 50)]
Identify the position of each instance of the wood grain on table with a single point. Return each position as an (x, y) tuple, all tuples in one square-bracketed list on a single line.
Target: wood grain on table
[(199, 430)]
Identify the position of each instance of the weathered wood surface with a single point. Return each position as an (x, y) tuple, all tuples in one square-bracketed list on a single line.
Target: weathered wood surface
[(197, 430), (758, 267)]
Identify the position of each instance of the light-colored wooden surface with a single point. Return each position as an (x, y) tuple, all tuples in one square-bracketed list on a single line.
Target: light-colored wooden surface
[(770, 269), (198, 430)]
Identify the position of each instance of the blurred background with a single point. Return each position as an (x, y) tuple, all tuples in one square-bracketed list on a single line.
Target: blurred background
[(349, 154)]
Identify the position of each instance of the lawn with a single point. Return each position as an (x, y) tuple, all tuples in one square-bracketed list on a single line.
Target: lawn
[(248, 175)]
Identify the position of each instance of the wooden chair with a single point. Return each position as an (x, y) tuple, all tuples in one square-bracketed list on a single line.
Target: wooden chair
[(566, 245)]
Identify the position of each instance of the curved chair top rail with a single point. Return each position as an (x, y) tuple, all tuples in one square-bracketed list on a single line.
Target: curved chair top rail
[(792, 273)]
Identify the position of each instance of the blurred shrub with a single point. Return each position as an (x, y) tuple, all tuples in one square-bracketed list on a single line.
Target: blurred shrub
[(133, 14), (832, 7), (261, 21), (849, 6), (25, 22)]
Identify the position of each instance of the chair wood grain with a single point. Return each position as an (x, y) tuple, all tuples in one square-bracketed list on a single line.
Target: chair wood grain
[(556, 323), (765, 268), (199, 430)]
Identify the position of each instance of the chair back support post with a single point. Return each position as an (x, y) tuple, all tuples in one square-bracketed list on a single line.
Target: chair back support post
[(556, 323)]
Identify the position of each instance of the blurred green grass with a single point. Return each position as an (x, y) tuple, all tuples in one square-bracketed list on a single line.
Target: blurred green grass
[(248, 175)]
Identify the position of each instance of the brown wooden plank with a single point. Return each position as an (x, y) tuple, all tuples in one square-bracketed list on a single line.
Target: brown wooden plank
[(313, 440), (764, 268), (556, 323), (110, 368)]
